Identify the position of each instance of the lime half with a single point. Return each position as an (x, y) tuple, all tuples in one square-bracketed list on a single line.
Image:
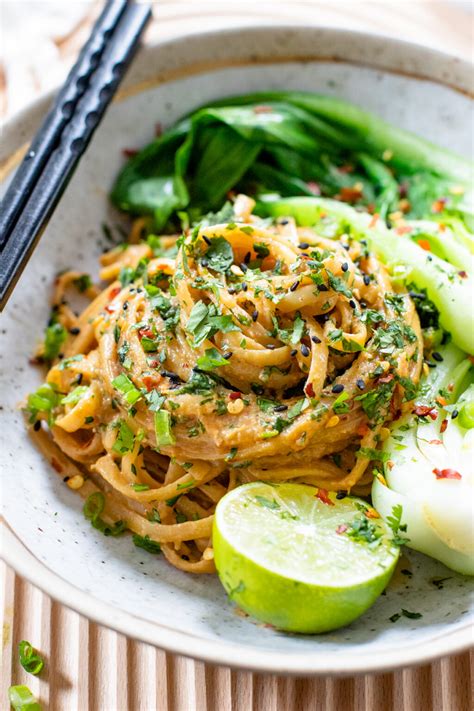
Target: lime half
[(298, 558)]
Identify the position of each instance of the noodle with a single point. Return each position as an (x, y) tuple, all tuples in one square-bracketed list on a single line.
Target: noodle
[(253, 352)]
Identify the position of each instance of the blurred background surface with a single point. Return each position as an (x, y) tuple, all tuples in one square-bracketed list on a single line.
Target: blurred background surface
[(40, 38)]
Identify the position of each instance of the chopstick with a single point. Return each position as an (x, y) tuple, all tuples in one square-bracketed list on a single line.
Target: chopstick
[(110, 48), (49, 134)]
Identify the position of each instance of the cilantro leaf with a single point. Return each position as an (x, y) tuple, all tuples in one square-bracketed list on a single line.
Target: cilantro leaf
[(219, 257)]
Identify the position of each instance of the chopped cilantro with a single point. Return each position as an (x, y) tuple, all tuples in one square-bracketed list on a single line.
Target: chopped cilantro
[(125, 440), (212, 359), (219, 257), (146, 543)]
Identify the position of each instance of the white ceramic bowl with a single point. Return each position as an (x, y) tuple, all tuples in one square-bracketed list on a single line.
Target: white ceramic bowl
[(46, 538)]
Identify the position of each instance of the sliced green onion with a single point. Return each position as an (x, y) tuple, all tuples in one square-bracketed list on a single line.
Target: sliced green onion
[(466, 415), (75, 395), (123, 383), (30, 660), (55, 336), (22, 699), (163, 432), (146, 543)]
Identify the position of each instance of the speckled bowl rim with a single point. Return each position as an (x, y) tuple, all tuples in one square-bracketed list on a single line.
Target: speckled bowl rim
[(237, 655)]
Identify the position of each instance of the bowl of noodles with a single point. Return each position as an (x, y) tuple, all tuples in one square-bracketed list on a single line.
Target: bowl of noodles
[(259, 273)]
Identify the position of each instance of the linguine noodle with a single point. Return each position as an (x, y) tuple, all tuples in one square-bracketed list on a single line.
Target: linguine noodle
[(254, 351)]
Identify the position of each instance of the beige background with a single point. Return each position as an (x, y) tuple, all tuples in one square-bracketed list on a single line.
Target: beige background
[(90, 668)]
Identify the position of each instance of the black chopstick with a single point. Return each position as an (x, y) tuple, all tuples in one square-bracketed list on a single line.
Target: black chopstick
[(49, 134), (56, 171)]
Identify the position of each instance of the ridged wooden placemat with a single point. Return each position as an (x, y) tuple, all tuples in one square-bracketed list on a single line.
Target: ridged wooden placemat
[(91, 668)]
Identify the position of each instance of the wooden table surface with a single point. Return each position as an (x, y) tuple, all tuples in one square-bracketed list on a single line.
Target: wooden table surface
[(91, 668)]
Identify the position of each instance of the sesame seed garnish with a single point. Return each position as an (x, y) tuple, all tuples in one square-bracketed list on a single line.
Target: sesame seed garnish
[(293, 352), (74, 331), (280, 408), (37, 425), (243, 266), (247, 258), (231, 290), (227, 355), (337, 388), (341, 494), (344, 267), (254, 315), (244, 286), (305, 351), (206, 240), (294, 286), (454, 414), (360, 383), (352, 303), (315, 339), (323, 287), (303, 245), (366, 279), (437, 356)]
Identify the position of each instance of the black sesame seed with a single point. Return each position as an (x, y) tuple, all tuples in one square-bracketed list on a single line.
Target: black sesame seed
[(254, 315), (363, 305), (305, 351), (280, 408), (364, 242), (352, 303), (231, 290), (337, 388), (74, 331), (170, 375), (293, 352), (244, 267), (206, 240), (323, 287), (204, 262), (247, 258), (344, 267), (227, 355), (366, 279), (346, 247), (284, 222), (341, 494), (303, 245), (437, 356), (454, 414), (125, 305), (37, 425), (430, 365), (79, 378), (360, 383), (244, 286), (66, 478), (294, 286), (315, 339)]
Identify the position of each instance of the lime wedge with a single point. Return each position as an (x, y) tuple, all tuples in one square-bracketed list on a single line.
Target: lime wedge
[(298, 558)]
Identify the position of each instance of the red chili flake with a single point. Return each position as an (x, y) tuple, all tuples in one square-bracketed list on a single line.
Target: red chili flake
[(350, 194), (371, 208), (129, 152), (374, 220), (424, 244), (342, 528), (441, 401), (463, 274), (323, 496), (142, 332), (309, 390), (154, 363), (56, 465), (423, 410), (438, 205), (151, 381), (444, 425), (386, 378), (447, 474), (262, 109), (114, 292), (314, 187), (158, 129), (371, 513), (404, 230), (235, 396)]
